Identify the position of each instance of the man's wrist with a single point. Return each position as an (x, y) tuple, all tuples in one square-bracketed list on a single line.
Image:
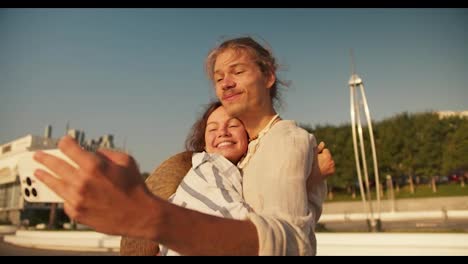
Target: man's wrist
[(149, 216)]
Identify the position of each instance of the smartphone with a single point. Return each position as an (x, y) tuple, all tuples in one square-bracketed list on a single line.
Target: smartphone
[(34, 191)]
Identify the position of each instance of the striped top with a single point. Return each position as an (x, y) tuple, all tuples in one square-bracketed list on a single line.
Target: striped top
[(213, 186)]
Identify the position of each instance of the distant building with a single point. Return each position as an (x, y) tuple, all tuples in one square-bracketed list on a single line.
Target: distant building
[(446, 114), (12, 203)]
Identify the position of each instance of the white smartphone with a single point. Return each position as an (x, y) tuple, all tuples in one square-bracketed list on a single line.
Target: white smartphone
[(34, 190)]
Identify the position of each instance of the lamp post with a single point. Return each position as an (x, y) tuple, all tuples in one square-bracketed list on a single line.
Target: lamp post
[(390, 192)]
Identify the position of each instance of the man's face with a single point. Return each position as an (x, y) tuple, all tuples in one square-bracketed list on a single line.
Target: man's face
[(225, 135), (240, 85)]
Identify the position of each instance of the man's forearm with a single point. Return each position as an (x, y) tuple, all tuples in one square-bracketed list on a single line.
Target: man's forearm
[(193, 233)]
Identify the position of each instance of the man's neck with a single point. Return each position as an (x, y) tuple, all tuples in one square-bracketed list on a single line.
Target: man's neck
[(257, 121)]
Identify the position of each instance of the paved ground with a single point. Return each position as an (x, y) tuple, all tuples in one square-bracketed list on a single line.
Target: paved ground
[(433, 225), (7, 249), (400, 205), (392, 244)]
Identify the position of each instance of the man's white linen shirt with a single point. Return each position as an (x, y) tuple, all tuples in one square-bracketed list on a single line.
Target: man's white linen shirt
[(275, 172)]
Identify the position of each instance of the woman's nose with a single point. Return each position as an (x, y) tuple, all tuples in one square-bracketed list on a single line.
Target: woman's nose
[(223, 132)]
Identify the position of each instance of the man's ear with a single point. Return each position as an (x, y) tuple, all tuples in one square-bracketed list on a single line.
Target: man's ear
[(271, 79)]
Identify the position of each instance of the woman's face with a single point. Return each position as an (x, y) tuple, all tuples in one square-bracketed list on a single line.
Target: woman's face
[(225, 135)]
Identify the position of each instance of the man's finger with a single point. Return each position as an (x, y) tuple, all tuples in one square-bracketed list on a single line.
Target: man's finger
[(320, 147), (74, 151), (116, 157), (70, 211), (56, 185), (55, 164)]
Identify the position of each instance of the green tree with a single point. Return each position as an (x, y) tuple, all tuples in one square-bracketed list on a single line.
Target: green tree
[(337, 141), (429, 137), (455, 149), (389, 147), (408, 145)]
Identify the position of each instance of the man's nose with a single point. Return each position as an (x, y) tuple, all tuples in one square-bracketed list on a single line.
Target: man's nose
[(228, 83)]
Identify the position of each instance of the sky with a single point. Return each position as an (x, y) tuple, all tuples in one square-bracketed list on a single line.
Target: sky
[(138, 74)]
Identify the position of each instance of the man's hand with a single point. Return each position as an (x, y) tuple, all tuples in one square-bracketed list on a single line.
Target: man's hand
[(323, 166), (325, 161), (105, 192)]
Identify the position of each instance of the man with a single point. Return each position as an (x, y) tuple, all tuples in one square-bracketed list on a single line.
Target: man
[(278, 163), (106, 191)]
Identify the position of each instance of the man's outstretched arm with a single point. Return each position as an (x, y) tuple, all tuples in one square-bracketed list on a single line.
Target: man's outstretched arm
[(107, 193)]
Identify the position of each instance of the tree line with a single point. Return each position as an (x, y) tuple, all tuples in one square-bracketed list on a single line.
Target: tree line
[(409, 146)]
